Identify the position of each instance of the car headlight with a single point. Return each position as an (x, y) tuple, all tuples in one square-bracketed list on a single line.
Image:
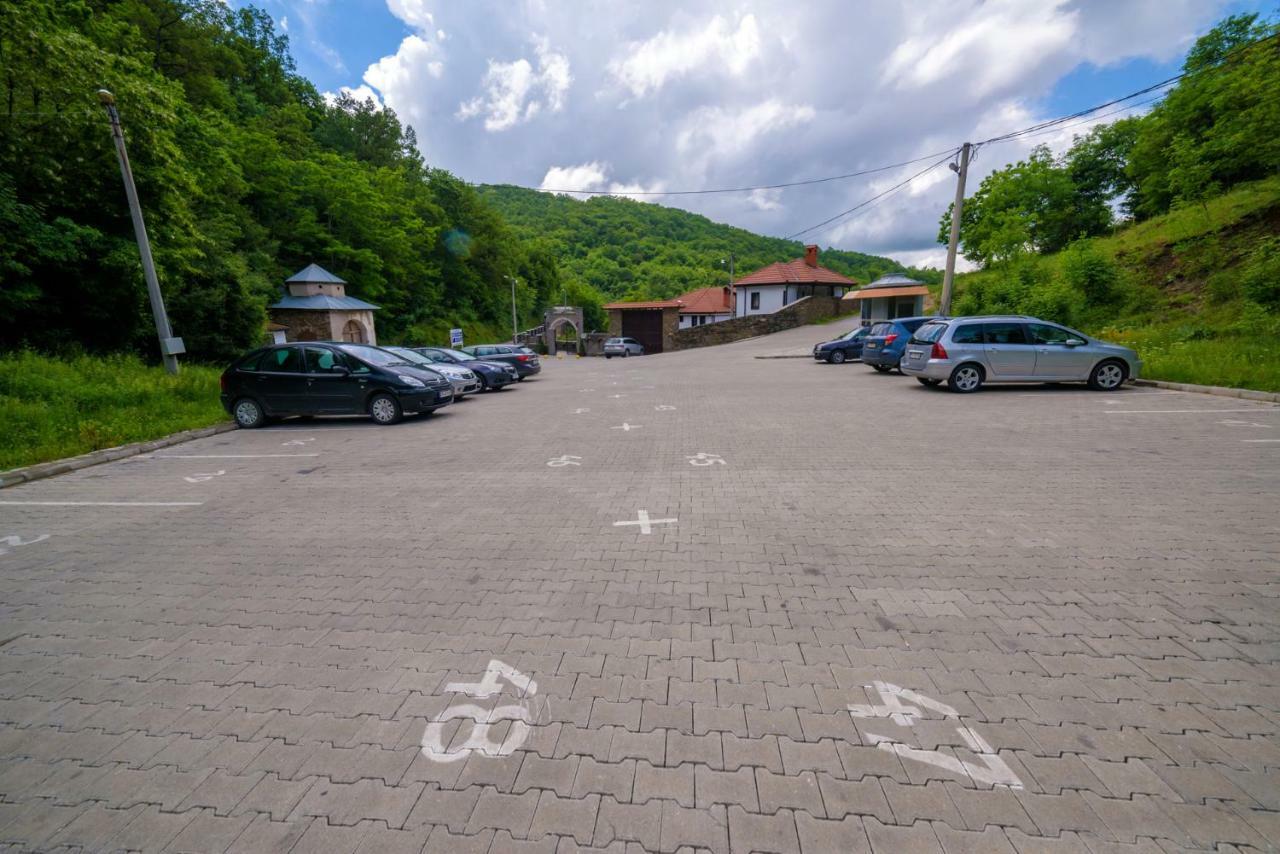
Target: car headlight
[(412, 381)]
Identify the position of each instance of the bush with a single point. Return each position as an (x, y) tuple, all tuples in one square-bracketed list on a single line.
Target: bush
[(1260, 281), (1091, 273)]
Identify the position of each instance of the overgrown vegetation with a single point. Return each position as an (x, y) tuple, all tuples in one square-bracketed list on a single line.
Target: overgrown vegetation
[(1191, 275), (60, 407)]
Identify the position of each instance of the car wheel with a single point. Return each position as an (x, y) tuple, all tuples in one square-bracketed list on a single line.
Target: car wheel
[(837, 357), (484, 384), (881, 369), (385, 409), (965, 379), (626, 353), (927, 381), (608, 356), (248, 413), (1107, 376)]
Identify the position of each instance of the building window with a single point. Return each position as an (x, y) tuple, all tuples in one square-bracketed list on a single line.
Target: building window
[(786, 294), (755, 300)]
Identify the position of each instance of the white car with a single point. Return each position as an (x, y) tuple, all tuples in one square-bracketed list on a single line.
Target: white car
[(622, 347), (463, 380)]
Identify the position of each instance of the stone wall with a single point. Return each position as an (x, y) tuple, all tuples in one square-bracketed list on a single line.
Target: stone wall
[(801, 312), (304, 325)]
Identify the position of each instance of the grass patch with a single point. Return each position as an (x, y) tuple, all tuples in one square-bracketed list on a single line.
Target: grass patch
[(52, 407), (1193, 353)]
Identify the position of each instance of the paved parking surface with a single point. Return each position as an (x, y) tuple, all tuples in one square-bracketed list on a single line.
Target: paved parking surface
[(689, 601)]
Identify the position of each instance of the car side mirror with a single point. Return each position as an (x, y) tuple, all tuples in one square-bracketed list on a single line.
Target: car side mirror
[(1073, 342), (340, 370)]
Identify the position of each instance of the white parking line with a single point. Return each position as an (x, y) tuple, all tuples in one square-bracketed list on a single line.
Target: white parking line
[(227, 456), (1259, 441), (1183, 411), (101, 503)]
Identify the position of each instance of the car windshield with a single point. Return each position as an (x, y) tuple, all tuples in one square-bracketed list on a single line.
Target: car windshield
[(410, 356), (929, 333), (373, 355), (455, 354), (614, 341), (856, 333)]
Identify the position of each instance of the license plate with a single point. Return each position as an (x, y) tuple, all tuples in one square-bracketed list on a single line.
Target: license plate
[(916, 356), (872, 346)]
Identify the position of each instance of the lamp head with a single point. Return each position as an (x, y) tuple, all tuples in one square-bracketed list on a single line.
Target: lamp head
[(106, 98)]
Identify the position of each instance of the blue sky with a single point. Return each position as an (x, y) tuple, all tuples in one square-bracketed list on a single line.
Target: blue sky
[(692, 94)]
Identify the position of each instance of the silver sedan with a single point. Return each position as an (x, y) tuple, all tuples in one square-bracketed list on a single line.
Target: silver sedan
[(965, 352)]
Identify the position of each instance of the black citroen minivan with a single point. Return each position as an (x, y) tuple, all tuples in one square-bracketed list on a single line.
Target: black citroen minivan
[(329, 378)]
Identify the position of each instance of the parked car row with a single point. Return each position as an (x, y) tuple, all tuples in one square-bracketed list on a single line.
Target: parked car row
[(968, 352), (386, 383)]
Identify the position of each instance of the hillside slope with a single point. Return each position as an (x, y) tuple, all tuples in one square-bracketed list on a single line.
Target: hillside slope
[(1195, 291), (634, 250)]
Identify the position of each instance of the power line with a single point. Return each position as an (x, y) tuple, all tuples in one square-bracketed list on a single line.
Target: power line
[(739, 189), (866, 202)]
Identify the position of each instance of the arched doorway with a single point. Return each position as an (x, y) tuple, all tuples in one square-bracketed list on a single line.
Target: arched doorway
[(565, 336), (353, 332)]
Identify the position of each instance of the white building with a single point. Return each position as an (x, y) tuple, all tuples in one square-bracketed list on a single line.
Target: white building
[(778, 285), (705, 305), (889, 297)]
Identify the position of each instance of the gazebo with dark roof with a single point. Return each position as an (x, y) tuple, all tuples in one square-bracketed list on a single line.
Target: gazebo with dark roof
[(316, 308)]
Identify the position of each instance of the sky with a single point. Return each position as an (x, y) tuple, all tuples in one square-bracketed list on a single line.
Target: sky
[(670, 95)]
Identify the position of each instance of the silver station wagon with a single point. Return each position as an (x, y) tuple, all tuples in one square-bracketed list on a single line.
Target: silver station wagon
[(965, 352)]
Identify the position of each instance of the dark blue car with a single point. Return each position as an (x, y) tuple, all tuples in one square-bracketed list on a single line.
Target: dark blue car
[(886, 341), (846, 348)]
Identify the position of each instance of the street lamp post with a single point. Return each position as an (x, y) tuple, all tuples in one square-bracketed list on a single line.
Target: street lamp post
[(515, 332), (170, 347), (733, 302)]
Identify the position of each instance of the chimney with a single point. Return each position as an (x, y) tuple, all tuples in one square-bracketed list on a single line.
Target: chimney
[(811, 255)]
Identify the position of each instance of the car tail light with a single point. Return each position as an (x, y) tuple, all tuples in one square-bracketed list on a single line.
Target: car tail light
[(522, 358), (222, 382), (938, 351), (889, 339)]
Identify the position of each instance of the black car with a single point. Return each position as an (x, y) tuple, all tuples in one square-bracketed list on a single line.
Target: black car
[(846, 348), (321, 378), (492, 375), (524, 360)]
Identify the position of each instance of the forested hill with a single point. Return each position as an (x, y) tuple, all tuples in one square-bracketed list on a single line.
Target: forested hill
[(637, 250)]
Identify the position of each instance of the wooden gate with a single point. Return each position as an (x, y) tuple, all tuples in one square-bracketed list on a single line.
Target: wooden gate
[(644, 325)]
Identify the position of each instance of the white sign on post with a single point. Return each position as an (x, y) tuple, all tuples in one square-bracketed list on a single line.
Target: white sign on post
[(455, 337)]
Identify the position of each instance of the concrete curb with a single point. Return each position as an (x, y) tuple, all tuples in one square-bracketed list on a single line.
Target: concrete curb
[(1221, 391), (13, 477), (784, 356)]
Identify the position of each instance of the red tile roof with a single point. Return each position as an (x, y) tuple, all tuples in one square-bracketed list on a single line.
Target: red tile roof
[(792, 272), (706, 301), (653, 303)]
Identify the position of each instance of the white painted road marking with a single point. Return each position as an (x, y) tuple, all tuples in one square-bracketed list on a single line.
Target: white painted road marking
[(298, 441), (433, 746), (564, 460), (662, 407), (627, 427), (706, 460), (580, 410), (1184, 411), (993, 771), (1260, 441), (1232, 422), (101, 503), (16, 541), (643, 520), (202, 477)]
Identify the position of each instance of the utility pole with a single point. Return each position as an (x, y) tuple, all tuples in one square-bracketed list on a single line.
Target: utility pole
[(733, 303), (170, 347), (957, 210), (515, 333)]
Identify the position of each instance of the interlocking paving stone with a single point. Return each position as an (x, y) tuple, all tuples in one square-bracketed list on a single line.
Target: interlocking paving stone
[(1092, 593)]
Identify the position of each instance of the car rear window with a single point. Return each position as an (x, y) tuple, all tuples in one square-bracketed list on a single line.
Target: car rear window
[(912, 325), (881, 329), (967, 333), (928, 333)]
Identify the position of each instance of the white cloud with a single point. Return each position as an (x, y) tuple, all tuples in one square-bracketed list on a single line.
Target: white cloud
[(397, 76), (766, 200), (649, 64), (359, 93), (722, 132), (515, 92), (284, 23), (981, 49), (412, 12), (594, 175)]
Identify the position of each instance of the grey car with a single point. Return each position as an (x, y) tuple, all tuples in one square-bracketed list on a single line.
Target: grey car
[(965, 352), (463, 380), (622, 347)]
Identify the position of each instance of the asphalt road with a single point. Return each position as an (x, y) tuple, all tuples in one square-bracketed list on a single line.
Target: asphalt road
[(688, 600)]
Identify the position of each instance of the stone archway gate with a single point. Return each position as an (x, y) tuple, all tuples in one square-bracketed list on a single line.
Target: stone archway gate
[(555, 319)]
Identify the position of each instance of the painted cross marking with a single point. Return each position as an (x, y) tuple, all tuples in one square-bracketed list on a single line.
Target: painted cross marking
[(586, 389), (645, 523), (298, 441), (662, 407), (580, 410), (706, 460), (627, 427), (564, 460), (616, 396), (202, 477)]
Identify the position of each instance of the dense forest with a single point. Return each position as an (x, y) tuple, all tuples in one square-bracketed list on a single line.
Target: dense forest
[(626, 249), (245, 173)]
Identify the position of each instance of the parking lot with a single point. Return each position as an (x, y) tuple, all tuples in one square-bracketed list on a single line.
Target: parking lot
[(696, 600)]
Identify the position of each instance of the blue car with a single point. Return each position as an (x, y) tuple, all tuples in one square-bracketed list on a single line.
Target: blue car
[(886, 341), (847, 347)]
